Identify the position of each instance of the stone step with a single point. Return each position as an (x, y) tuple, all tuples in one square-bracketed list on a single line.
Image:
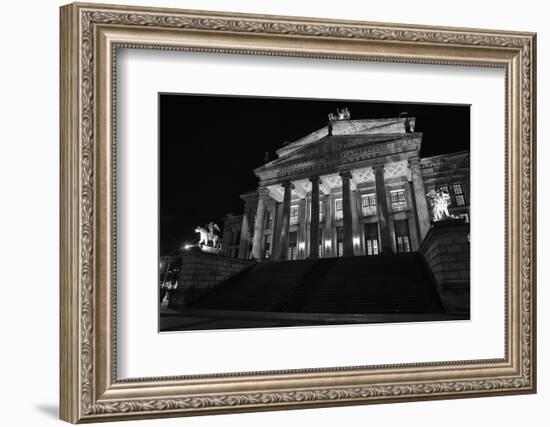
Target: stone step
[(364, 284)]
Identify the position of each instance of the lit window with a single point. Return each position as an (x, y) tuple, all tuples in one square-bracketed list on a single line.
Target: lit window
[(339, 241), (368, 204), (338, 209), (459, 194), (457, 188), (269, 220), (371, 238), (267, 246), (294, 219), (402, 238), (292, 246), (398, 200), (321, 216)]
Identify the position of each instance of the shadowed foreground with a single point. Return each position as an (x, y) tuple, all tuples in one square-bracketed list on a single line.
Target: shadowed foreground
[(373, 289)]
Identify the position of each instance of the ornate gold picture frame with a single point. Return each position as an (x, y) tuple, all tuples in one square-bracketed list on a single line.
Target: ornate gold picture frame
[(90, 37)]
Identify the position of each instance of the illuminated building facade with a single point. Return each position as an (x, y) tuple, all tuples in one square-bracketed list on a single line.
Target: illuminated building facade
[(351, 188)]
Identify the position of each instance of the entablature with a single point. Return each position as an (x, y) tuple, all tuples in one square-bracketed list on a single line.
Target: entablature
[(343, 158)]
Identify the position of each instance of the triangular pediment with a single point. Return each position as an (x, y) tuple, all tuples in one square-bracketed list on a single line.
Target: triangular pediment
[(327, 146), (351, 128), (346, 142)]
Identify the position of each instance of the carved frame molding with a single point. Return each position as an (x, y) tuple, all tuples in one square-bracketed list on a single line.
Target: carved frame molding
[(90, 36)]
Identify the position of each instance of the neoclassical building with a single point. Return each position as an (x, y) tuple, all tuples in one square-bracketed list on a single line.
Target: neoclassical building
[(351, 188)]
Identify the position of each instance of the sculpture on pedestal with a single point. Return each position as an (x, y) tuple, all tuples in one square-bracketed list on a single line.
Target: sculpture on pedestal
[(440, 201), (209, 235)]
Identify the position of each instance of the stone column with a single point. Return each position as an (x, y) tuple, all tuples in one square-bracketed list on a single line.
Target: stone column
[(227, 240), (382, 209), (314, 225), (258, 224), (285, 222), (302, 229), (411, 201), (245, 236), (276, 230), (422, 212), (355, 215), (346, 208), (327, 226)]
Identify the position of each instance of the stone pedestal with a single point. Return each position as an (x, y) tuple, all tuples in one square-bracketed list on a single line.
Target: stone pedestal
[(446, 252), (200, 272), (211, 250), (447, 222)]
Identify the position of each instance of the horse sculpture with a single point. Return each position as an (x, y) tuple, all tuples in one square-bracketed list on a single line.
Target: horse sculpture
[(206, 236)]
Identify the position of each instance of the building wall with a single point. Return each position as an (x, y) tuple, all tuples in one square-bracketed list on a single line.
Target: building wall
[(200, 272), (446, 252), (437, 171), (231, 238), (448, 170)]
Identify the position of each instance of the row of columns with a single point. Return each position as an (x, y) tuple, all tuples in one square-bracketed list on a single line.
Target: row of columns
[(382, 212)]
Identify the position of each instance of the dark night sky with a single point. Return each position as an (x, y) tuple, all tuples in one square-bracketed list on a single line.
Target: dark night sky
[(209, 146)]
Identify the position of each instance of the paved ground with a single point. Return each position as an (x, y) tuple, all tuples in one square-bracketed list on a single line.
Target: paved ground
[(172, 320), (188, 320)]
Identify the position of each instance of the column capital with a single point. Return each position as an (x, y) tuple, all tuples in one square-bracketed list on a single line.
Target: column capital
[(315, 179), (263, 191), (414, 160), (345, 175), (287, 184), (378, 166)]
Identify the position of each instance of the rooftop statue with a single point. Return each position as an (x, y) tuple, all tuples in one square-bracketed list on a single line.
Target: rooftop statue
[(409, 126), (341, 114), (440, 201)]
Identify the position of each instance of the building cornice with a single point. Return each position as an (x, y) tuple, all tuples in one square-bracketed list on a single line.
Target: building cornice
[(444, 159), (340, 154)]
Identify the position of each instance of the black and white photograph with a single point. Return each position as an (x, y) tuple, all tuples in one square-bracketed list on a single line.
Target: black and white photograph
[(244, 213), (277, 212)]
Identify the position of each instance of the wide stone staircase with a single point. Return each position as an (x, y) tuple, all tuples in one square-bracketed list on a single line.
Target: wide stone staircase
[(395, 283)]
